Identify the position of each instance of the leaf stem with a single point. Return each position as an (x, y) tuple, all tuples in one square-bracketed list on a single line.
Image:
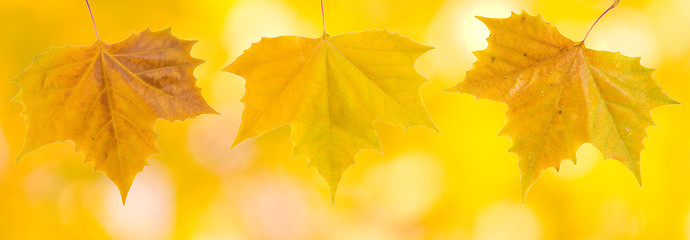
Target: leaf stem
[(92, 20), (323, 18), (615, 4)]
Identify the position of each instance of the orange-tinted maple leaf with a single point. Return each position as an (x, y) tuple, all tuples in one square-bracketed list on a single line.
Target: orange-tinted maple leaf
[(106, 98)]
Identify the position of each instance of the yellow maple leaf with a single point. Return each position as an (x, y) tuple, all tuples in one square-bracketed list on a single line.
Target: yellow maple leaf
[(561, 94), (331, 90), (106, 98)]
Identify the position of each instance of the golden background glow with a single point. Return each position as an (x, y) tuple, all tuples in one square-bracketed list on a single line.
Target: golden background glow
[(460, 184)]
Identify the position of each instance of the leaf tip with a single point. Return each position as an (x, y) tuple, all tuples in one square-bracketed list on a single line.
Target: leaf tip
[(452, 89), (482, 18), (524, 189), (25, 150), (124, 190), (638, 175), (333, 190), (526, 182), (236, 142), (210, 110), (434, 128), (332, 180), (671, 101), (232, 68)]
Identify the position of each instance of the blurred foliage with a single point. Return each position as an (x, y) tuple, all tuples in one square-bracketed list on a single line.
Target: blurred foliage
[(460, 184)]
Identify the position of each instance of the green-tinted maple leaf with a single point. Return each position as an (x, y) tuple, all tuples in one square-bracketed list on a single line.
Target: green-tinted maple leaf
[(561, 94), (331, 90)]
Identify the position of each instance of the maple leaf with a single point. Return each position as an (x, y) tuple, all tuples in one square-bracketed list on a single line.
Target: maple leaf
[(561, 94), (331, 90), (107, 97)]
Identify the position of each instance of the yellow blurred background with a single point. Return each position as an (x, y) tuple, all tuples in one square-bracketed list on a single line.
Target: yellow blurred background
[(460, 184)]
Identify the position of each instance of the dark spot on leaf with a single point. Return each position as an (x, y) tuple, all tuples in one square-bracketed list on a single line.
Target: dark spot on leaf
[(559, 111), (493, 59), (525, 54)]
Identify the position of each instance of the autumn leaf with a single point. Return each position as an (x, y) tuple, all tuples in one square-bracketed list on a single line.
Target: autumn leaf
[(331, 90), (561, 94), (107, 97)]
